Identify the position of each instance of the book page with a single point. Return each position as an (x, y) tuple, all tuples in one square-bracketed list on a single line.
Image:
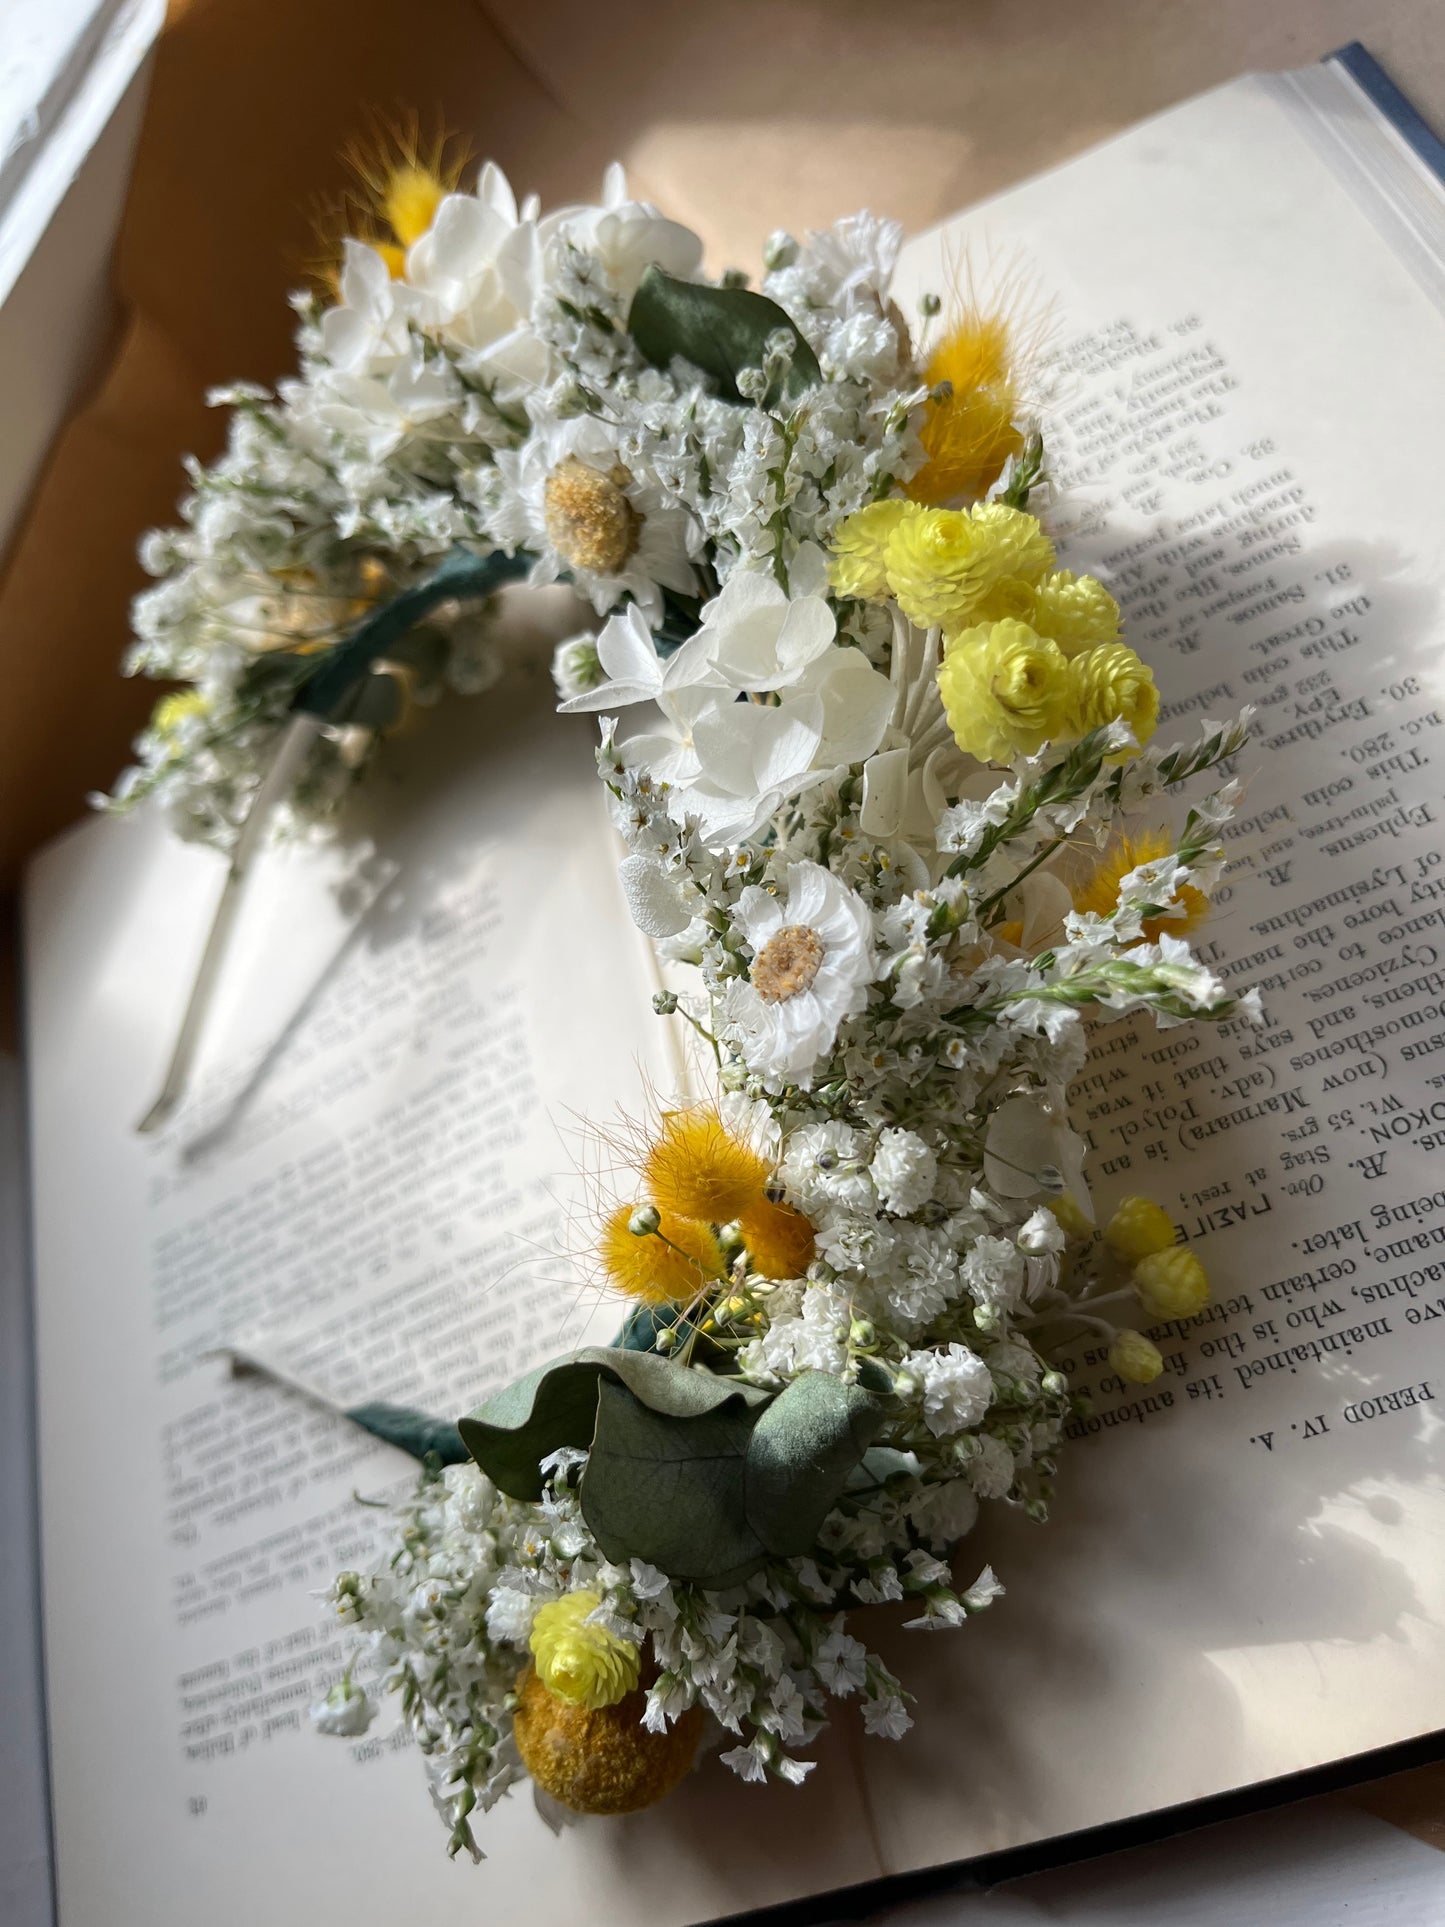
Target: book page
[(379, 1158), (1244, 1572)]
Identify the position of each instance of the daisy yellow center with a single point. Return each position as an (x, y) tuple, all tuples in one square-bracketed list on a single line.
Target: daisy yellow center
[(787, 964), (590, 522), (1099, 894)]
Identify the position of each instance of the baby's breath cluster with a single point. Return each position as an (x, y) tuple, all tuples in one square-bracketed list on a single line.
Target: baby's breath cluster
[(886, 778)]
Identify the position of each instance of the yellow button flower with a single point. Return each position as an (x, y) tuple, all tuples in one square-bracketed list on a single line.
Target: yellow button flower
[(605, 1761), (1110, 684), (1138, 1229), (1075, 611), (1005, 690), (1135, 1358), (1171, 1284), (859, 543), (582, 1664)]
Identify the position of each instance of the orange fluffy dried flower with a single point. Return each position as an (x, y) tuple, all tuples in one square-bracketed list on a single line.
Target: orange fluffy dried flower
[(696, 1168), (667, 1265), (779, 1239), (971, 430)]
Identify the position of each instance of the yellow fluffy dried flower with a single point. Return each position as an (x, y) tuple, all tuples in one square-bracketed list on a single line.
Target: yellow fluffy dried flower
[(697, 1169), (668, 1264)]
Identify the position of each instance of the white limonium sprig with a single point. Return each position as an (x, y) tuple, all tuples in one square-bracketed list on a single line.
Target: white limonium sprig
[(886, 780)]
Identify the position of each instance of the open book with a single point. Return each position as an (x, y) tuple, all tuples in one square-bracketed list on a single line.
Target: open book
[(375, 1181)]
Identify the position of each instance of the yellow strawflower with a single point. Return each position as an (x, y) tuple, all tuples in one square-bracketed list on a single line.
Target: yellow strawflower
[(859, 542), (667, 1266), (1110, 684), (1005, 690), (1138, 1229), (1100, 894), (1135, 1358), (1075, 611), (941, 563), (1171, 1284), (970, 431), (580, 1663), (698, 1169), (779, 1239)]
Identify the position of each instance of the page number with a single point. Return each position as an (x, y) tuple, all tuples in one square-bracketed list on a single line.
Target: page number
[(196, 1805)]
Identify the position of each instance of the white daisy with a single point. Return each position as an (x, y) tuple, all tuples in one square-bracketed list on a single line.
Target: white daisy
[(568, 495), (812, 962)]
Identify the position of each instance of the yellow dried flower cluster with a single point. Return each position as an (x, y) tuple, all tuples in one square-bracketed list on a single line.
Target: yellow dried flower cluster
[(1170, 1280), (1031, 652), (698, 1176)]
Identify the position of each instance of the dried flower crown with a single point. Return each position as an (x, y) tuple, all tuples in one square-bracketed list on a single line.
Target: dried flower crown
[(890, 789)]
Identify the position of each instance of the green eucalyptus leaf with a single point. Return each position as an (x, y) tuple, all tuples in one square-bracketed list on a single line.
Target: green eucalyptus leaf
[(720, 330), (511, 1433), (672, 1490), (803, 1449), (415, 1432)]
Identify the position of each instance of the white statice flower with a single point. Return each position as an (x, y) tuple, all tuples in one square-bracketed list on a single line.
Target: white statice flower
[(345, 1713), (957, 1388), (904, 1170), (962, 827), (841, 1660), (812, 961), (568, 496), (886, 1717)]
